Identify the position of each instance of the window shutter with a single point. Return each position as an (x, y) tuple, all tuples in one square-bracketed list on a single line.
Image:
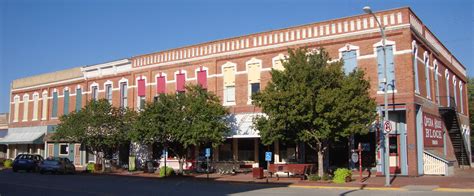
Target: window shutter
[(141, 87), (380, 68), (161, 85), (66, 102), (202, 79), (78, 99), (180, 82), (390, 68), (54, 112)]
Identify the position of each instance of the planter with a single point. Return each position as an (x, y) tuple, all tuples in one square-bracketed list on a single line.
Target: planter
[(97, 167)]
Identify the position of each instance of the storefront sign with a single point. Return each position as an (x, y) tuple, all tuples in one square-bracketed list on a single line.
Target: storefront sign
[(432, 131)]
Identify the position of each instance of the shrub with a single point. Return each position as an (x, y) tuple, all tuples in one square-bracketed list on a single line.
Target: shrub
[(341, 175), (7, 163), (169, 171), (314, 177), (326, 177), (90, 167)]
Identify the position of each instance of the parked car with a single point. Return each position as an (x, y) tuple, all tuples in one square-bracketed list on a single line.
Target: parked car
[(57, 165), (27, 162)]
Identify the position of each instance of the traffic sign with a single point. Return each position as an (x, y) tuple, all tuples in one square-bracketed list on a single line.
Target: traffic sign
[(268, 156), (387, 126), (355, 157), (208, 152)]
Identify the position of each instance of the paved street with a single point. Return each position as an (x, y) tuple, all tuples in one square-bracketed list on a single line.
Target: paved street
[(79, 184)]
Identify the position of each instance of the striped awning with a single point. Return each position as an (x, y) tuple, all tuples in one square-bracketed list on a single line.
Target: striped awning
[(242, 125), (25, 135)]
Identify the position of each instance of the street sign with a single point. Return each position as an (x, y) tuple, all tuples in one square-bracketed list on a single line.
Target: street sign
[(355, 157), (164, 153), (268, 156), (387, 126), (208, 152)]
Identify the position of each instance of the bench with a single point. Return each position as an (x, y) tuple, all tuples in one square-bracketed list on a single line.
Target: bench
[(301, 170)]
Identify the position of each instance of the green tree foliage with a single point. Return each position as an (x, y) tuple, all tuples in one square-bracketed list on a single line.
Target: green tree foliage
[(181, 120), (313, 101), (99, 126)]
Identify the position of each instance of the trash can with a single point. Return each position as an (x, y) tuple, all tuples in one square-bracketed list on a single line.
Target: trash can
[(257, 173)]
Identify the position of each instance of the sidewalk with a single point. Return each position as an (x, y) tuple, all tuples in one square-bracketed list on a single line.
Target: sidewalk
[(462, 181)]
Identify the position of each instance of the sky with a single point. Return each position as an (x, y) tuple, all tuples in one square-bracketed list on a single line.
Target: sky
[(44, 36)]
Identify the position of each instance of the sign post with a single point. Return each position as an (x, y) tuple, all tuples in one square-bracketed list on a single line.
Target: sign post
[(387, 130), (268, 158), (208, 154), (360, 161), (165, 154)]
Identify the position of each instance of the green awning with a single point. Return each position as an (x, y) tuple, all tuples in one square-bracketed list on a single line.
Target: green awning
[(25, 135)]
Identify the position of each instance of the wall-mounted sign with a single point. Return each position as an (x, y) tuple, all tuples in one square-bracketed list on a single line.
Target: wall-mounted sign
[(432, 130)]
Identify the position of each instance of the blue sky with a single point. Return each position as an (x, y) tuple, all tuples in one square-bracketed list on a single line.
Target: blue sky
[(44, 36)]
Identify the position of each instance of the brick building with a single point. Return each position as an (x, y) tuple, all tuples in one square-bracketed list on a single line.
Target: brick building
[(428, 93)]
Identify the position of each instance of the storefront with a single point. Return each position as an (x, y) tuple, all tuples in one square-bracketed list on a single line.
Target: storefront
[(24, 140)]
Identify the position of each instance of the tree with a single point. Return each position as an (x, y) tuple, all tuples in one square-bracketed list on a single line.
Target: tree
[(99, 126), (181, 120), (313, 101)]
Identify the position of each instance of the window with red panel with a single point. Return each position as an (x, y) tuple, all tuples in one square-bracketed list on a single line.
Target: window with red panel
[(202, 78), (141, 87), (180, 82), (160, 85)]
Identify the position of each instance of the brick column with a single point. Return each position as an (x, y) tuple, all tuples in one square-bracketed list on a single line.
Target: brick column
[(255, 150), (276, 156)]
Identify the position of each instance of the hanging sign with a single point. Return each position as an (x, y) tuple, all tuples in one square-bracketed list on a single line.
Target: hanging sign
[(432, 131)]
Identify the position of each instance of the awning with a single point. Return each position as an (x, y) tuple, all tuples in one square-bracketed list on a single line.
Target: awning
[(25, 135), (242, 125)]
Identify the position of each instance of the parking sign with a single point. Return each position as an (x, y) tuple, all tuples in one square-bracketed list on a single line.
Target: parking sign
[(208, 152), (268, 156)]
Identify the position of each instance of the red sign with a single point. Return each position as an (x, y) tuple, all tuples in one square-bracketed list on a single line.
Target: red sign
[(432, 130), (388, 126)]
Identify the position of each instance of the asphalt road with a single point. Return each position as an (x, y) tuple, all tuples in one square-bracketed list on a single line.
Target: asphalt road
[(81, 184)]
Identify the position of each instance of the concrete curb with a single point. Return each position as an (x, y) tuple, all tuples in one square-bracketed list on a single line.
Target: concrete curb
[(348, 188), (459, 190)]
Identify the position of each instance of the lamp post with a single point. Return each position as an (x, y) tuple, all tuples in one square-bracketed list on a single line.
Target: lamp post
[(385, 119)]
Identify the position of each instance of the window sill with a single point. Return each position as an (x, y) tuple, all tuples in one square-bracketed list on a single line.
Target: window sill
[(229, 104)]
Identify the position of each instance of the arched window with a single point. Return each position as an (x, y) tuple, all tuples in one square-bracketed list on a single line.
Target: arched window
[(426, 59), (414, 47)]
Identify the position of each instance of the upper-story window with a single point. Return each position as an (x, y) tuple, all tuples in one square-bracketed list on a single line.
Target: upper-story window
[(228, 70), (141, 83), (123, 94), (95, 93), (350, 61), (427, 75), (202, 77), (108, 92), (446, 75), (455, 91), (461, 96), (435, 64), (254, 67), (26, 99), (161, 84), (349, 56), (66, 102), (54, 112), (415, 66), (44, 112), (180, 82), (16, 101), (78, 99), (35, 106), (390, 68), (278, 62)]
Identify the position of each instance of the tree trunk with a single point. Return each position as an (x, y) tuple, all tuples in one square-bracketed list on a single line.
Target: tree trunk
[(181, 163), (320, 159)]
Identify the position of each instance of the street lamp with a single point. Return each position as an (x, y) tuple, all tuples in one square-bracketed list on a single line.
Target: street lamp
[(385, 119)]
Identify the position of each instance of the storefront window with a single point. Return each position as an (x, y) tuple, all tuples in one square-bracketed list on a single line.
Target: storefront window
[(287, 153), (225, 151), (246, 149), (63, 149)]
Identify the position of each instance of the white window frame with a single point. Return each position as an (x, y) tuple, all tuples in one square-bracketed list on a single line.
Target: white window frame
[(44, 112), (26, 99), (227, 65), (426, 60), (253, 60), (122, 81), (106, 93), (67, 149), (94, 91), (16, 101), (460, 97), (394, 50), (414, 47), (35, 106)]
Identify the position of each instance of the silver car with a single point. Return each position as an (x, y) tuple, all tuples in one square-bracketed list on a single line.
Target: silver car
[(57, 165)]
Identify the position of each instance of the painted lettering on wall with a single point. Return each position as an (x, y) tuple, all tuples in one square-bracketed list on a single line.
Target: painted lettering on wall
[(433, 130)]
